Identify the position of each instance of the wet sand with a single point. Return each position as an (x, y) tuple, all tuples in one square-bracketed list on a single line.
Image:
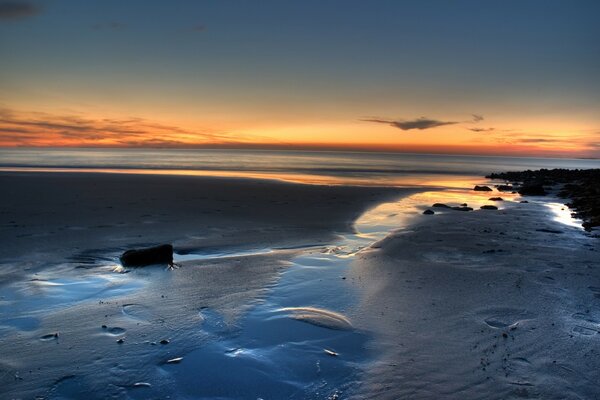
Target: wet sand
[(47, 218), (71, 324), (484, 304), (277, 296)]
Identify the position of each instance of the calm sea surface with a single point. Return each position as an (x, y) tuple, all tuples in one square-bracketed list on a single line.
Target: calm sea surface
[(298, 166)]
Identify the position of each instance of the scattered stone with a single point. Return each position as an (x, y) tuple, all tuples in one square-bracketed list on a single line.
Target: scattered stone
[(164, 341), (505, 188), (104, 327), (440, 205), (524, 201), (489, 207), (462, 208), (496, 199), (428, 212), (464, 205), (504, 335), (478, 188), (162, 254), (120, 340), (582, 186), (532, 190)]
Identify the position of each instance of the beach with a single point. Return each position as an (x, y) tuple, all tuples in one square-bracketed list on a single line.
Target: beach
[(289, 290)]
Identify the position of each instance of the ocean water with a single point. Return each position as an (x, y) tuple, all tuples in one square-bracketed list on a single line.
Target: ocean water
[(323, 167)]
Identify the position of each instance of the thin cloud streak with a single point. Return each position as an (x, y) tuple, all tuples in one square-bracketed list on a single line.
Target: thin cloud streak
[(41, 129), (406, 125)]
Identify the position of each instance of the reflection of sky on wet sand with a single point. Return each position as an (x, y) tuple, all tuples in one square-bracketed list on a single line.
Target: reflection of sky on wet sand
[(393, 215), (438, 180), (562, 214)]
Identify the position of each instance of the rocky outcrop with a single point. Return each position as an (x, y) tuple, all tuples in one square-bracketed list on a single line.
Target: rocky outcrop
[(580, 186)]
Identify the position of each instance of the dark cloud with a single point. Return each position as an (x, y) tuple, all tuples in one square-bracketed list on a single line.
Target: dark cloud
[(406, 125), (481, 129), (13, 10), (477, 117)]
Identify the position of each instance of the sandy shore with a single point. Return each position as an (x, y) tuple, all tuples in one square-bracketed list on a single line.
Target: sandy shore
[(64, 309), (49, 218), (481, 304)]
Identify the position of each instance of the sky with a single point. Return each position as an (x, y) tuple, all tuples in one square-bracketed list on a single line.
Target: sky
[(460, 77)]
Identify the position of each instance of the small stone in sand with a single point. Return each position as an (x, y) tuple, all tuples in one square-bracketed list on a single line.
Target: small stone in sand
[(478, 188), (462, 208), (488, 207), (428, 212)]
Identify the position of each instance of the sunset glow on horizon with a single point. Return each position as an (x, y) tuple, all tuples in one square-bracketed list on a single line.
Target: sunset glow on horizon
[(516, 78)]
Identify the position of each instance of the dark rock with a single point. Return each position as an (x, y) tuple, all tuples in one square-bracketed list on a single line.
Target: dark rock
[(532, 190), (428, 212), (478, 188), (162, 254), (440, 205), (462, 208), (488, 207), (464, 205), (164, 341), (496, 199), (524, 201), (505, 188), (581, 186)]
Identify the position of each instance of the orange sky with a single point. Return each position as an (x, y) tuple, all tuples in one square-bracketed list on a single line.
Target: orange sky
[(397, 77), (466, 135)]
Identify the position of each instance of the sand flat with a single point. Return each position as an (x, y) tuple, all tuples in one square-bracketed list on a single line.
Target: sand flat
[(71, 322), (484, 304)]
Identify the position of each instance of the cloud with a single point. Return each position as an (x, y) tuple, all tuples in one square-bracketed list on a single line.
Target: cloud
[(406, 125), (481, 129), (477, 118), (13, 10), (42, 129), (539, 140)]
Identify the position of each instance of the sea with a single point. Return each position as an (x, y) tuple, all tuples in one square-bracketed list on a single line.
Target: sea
[(313, 167)]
